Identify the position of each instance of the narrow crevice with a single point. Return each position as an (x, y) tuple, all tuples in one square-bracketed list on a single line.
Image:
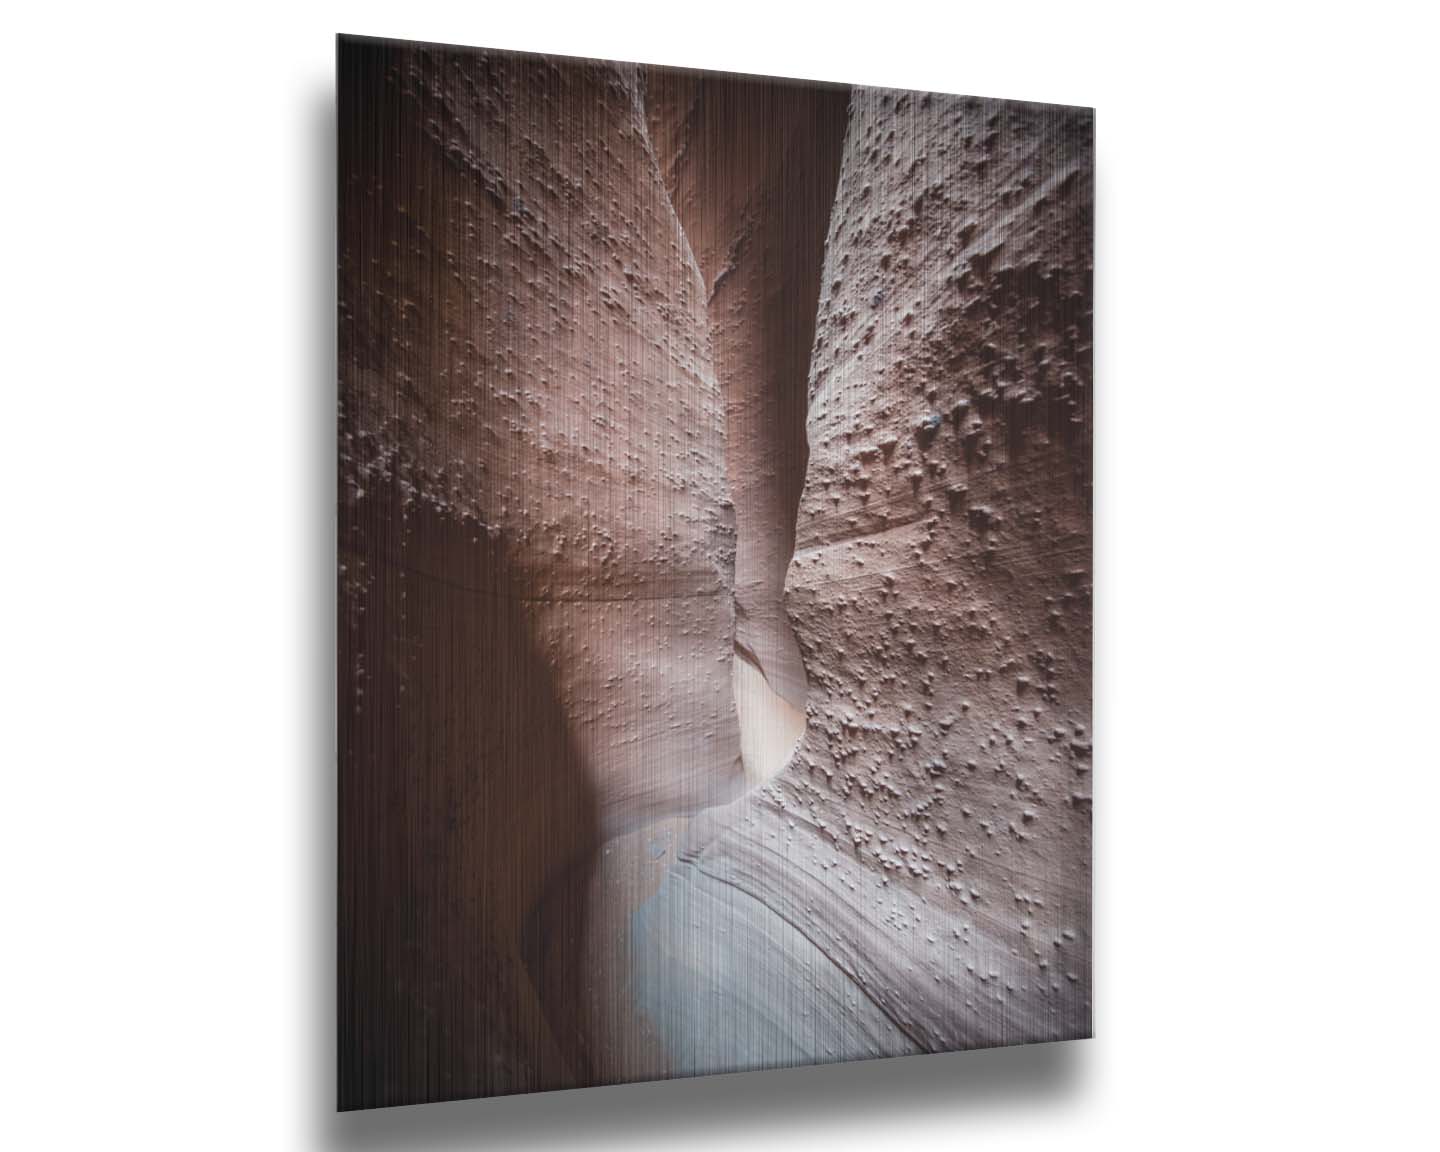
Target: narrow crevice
[(751, 167)]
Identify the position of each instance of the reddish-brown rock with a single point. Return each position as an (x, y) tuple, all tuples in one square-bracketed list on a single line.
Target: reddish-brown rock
[(751, 167), (536, 548), (930, 842), (614, 344)]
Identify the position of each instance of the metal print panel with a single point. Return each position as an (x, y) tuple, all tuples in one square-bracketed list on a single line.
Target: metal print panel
[(715, 563)]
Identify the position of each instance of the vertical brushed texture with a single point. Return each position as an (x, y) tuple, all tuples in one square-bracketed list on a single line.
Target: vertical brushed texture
[(715, 567)]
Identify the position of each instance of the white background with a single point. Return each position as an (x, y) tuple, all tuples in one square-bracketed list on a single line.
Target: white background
[(1267, 731)]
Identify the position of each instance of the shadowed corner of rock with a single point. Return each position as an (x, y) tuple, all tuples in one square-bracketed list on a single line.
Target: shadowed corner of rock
[(465, 810)]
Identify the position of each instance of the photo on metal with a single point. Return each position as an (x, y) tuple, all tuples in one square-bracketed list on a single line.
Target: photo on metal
[(714, 588)]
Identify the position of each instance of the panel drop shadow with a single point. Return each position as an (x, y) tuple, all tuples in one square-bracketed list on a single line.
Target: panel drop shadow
[(953, 1085), (316, 408)]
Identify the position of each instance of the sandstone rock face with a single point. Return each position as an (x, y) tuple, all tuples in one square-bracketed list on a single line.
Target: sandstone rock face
[(751, 167), (536, 543), (688, 419), (931, 838)]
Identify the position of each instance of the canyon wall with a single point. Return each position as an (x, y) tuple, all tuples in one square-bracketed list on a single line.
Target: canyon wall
[(715, 565), (930, 841), (751, 166), (536, 548)]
